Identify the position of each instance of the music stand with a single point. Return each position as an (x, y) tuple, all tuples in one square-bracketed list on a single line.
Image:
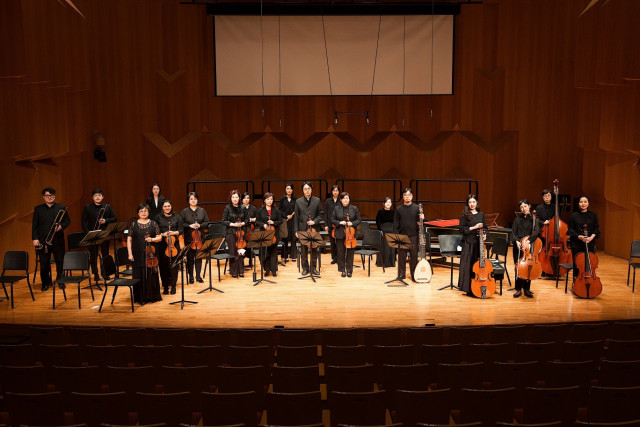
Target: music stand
[(113, 230), (310, 238), (205, 252), (398, 241), (283, 233), (92, 238), (179, 259), (260, 239)]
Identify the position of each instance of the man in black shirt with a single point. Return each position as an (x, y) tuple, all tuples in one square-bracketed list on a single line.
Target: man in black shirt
[(329, 206), (43, 226), (405, 221), (308, 213), (96, 216), (545, 211)]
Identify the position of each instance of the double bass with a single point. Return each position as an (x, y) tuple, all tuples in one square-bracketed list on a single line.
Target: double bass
[(483, 285), (555, 250), (529, 266), (586, 284)]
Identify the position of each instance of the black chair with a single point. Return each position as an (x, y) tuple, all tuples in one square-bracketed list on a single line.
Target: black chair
[(449, 244), (74, 239), (569, 267), (221, 255), (371, 244), (109, 269), (635, 253), (499, 253), (74, 261), (14, 261), (122, 260)]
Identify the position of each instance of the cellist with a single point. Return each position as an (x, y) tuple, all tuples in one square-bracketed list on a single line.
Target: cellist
[(270, 218), (577, 221), (345, 215), (526, 230), (234, 219), (194, 221), (170, 224)]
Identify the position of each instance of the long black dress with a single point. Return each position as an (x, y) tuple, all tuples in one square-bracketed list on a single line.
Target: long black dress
[(388, 254), (470, 250), (287, 207), (149, 288)]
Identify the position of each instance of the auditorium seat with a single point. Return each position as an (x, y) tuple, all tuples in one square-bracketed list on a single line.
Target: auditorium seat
[(291, 409), (430, 407)]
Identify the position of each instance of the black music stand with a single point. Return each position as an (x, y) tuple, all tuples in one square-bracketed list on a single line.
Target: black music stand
[(397, 241), (179, 259), (260, 239), (209, 246), (114, 230), (92, 238), (283, 233), (310, 238)]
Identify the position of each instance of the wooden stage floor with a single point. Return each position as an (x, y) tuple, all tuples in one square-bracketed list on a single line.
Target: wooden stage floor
[(334, 301)]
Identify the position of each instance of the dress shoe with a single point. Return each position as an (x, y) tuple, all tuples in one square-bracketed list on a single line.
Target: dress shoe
[(266, 273), (528, 294), (315, 272), (517, 294), (235, 276), (165, 291), (241, 274), (348, 274), (199, 280), (45, 287), (62, 286), (305, 272), (275, 274), (190, 279), (173, 290), (344, 274), (333, 261)]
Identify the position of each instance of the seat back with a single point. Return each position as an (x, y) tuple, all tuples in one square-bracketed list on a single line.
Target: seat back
[(488, 406), (96, 408), (76, 261), (108, 267), (74, 239), (170, 408), (17, 354), (449, 244), (298, 379), (88, 336), (368, 408), (500, 247), (217, 229), (350, 378), (297, 356), (635, 250), (39, 409), (289, 409), (230, 408), (432, 407), (372, 239), (16, 260), (614, 404)]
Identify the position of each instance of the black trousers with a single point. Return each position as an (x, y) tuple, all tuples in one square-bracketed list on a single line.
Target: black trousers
[(305, 261), (344, 256), (270, 258), (45, 262), (402, 258), (168, 275), (334, 248), (521, 284), (93, 255), (236, 264), (289, 252), (191, 261)]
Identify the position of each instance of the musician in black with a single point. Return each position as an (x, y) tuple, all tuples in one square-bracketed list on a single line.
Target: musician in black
[(339, 219), (270, 216), (525, 232), (329, 205), (96, 216), (579, 221), (471, 221), (405, 221), (155, 201), (308, 213), (251, 215), (545, 211), (194, 221), (287, 206), (170, 225), (234, 219), (43, 226)]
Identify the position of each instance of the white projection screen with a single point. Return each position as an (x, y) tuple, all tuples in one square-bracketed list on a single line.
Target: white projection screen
[(291, 51)]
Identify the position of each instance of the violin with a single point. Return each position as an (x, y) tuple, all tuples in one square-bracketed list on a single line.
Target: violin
[(586, 284), (483, 285), (529, 267), (241, 243), (171, 250), (150, 254), (310, 228), (271, 227), (350, 241), (196, 239), (556, 249)]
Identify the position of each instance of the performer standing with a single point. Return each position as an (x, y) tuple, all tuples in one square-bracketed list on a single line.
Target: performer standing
[(339, 219), (526, 230), (155, 201), (194, 221), (287, 207), (170, 225), (44, 225), (234, 218), (545, 211), (269, 217), (384, 222), (471, 221), (329, 205), (251, 215), (308, 213), (405, 221), (97, 216), (577, 221), (143, 233)]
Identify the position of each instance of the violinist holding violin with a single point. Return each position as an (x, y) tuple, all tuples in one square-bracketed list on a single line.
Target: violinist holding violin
[(346, 218), (143, 234), (170, 225), (308, 213), (194, 221), (270, 218), (577, 222), (251, 214), (234, 218), (526, 229)]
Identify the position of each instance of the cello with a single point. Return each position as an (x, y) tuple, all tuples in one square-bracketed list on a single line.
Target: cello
[(556, 249), (483, 285), (586, 284), (529, 266)]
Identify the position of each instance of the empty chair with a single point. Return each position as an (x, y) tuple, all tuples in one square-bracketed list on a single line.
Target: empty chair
[(350, 378), (508, 333), (289, 409), (296, 379), (541, 405), (37, 409), (623, 350), (209, 337), (109, 269), (469, 334), (131, 380), (456, 376), (440, 353), (346, 355), (153, 355), (194, 379), (619, 373), (583, 332), (17, 355), (449, 244), (476, 424), (83, 379), (297, 356), (499, 352), (78, 262), (205, 355), (565, 374), (614, 404), (234, 379), (298, 337), (430, 407), (48, 335), (635, 253), (23, 379), (106, 355), (393, 355), (635, 423), (515, 374), (549, 332), (19, 261), (170, 408), (538, 351), (230, 408), (550, 424), (340, 337), (248, 356), (404, 377), (371, 244), (576, 351), (624, 330), (365, 408), (127, 336), (488, 406), (499, 253), (171, 336), (254, 337), (61, 355), (96, 408), (88, 336), (426, 335)]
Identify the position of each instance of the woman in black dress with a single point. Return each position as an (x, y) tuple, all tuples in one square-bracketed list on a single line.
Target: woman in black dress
[(144, 233), (170, 225), (384, 222), (251, 215), (233, 217), (525, 232), (270, 216), (471, 221), (339, 219), (155, 201), (194, 221), (287, 207)]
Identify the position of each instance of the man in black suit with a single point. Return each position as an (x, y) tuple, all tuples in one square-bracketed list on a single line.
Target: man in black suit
[(44, 216), (308, 213)]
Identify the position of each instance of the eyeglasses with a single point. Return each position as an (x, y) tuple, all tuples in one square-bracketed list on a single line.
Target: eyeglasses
[(49, 195)]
